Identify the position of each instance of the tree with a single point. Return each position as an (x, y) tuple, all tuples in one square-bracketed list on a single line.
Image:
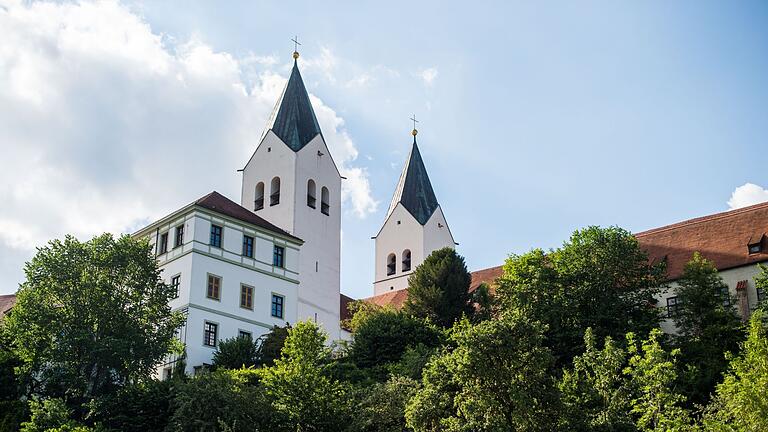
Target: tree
[(381, 407), (741, 403), (707, 325), (761, 283), (271, 345), (234, 398), (146, 406), (599, 278), (383, 335), (652, 372), (236, 353), (302, 395), (91, 317), (439, 288), (595, 394), (496, 379)]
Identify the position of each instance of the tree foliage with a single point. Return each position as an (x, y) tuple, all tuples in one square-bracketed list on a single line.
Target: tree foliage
[(652, 372), (383, 335), (496, 379), (302, 395), (741, 403), (271, 345), (708, 327), (599, 278), (594, 392), (233, 398), (236, 353), (91, 316), (438, 289)]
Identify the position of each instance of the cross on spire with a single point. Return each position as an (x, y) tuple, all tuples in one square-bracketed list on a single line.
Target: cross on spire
[(414, 125), (296, 44)]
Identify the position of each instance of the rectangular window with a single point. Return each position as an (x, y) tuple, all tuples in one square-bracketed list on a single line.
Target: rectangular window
[(277, 306), (725, 295), (673, 307), (248, 246), (210, 334), (216, 236), (175, 282), (278, 257), (214, 287), (163, 243), (244, 334), (246, 296), (179, 236)]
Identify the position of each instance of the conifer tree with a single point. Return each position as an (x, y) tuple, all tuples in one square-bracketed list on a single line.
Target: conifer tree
[(439, 288)]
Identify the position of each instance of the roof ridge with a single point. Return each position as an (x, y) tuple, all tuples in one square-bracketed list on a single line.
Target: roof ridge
[(706, 218)]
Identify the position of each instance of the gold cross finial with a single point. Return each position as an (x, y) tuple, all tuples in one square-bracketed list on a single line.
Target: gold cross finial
[(296, 44), (414, 132)]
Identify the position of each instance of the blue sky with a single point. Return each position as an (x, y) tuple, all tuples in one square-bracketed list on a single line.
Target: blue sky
[(535, 119)]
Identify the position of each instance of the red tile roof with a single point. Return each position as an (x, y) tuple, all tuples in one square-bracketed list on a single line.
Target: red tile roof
[(397, 298), (344, 302), (6, 303), (221, 204), (721, 238)]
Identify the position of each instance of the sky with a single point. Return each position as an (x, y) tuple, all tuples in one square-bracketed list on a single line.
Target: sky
[(535, 118)]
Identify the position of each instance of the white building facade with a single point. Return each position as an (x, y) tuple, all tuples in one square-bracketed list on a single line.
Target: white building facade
[(235, 274), (292, 181), (415, 227)]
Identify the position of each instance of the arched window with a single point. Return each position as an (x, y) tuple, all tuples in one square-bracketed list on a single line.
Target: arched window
[(324, 206), (311, 189), (391, 262), (406, 261), (258, 202), (274, 192)]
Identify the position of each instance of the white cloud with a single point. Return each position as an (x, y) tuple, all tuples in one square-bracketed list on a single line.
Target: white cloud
[(746, 195), (428, 75), (105, 125)]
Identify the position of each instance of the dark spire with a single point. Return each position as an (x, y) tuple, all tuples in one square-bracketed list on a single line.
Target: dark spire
[(293, 119), (414, 190)]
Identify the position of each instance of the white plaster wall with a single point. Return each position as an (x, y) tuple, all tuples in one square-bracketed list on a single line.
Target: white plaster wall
[(199, 354), (320, 267), (272, 158), (730, 276), (437, 235), (401, 231)]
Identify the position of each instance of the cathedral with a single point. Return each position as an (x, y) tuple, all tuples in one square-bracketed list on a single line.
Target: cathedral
[(274, 258)]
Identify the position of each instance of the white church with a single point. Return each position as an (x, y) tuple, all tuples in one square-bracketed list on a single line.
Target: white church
[(274, 258)]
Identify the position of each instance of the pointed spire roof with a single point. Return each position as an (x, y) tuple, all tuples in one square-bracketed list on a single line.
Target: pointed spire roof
[(293, 119), (414, 190)]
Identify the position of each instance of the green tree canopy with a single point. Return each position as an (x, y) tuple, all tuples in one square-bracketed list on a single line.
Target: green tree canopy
[(92, 316), (236, 353), (741, 403), (708, 327), (594, 392), (271, 345), (652, 372), (302, 395), (438, 289), (496, 379), (382, 336), (599, 278)]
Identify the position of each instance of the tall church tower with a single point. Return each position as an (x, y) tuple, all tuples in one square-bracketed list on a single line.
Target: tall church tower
[(415, 227), (292, 181)]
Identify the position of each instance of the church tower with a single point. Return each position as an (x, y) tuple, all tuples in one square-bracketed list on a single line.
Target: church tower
[(292, 181), (414, 227)]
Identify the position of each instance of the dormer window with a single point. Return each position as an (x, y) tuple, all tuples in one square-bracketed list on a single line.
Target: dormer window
[(755, 243)]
